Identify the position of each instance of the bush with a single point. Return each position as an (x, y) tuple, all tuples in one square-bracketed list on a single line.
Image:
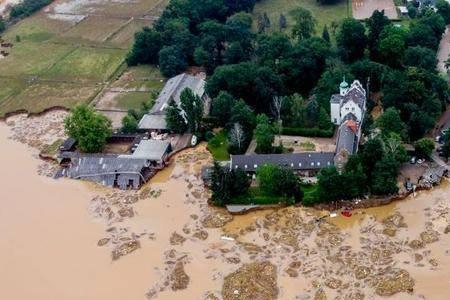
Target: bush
[(311, 132)]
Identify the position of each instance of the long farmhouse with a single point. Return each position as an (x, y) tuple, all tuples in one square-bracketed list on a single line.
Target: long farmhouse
[(347, 111)]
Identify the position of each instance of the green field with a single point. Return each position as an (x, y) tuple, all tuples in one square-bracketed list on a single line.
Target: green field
[(66, 55), (87, 64), (324, 14)]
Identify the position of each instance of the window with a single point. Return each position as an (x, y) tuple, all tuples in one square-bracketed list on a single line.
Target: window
[(255, 166), (292, 165), (329, 163), (312, 164), (318, 163), (353, 109), (299, 164), (335, 120), (245, 166)]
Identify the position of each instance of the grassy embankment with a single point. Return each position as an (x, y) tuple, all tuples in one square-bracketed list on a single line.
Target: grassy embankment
[(69, 60)]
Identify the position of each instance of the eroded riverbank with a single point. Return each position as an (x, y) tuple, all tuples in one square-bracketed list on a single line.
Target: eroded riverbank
[(65, 239)]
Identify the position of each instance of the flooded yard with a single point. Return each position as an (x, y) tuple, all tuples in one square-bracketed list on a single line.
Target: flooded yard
[(74, 240)]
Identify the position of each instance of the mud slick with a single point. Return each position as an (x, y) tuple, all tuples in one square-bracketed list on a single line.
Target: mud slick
[(190, 250)]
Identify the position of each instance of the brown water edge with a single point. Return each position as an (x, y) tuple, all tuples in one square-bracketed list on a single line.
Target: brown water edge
[(48, 240)]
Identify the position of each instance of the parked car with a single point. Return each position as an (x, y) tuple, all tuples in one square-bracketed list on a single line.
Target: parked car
[(437, 139), (413, 160)]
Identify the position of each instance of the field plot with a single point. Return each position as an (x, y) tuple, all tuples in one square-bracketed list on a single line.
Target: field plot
[(39, 96), (27, 58), (9, 87), (71, 50), (135, 86), (95, 29), (38, 28), (125, 36), (87, 64), (141, 78), (123, 8), (363, 9), (324, 14)]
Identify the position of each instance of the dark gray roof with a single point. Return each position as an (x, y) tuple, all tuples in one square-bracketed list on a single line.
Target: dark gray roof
[(336, 98), (67, 145), (95, 166), (350, 116), (346, 139), (356, 95), (296, 161)]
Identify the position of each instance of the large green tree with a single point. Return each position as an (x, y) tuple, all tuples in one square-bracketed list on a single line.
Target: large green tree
[(279, 182), (391, 122), (424, 147), (304, 26), (351, 40), (146, 47), (192, 105), (89, 128), (376, 23), (174, 119), (264, 134)]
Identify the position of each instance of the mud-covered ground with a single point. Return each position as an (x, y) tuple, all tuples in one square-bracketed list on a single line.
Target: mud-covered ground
[(399, 251)]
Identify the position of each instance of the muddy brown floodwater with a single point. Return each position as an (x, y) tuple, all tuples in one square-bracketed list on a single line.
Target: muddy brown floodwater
[(73, 240)]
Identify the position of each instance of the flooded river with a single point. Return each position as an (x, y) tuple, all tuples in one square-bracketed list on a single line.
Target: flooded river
[(57, 240)]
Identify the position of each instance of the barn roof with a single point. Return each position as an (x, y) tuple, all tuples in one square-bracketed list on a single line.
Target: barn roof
[(95, 166), (173, 89), (296, 161), (153, 150)]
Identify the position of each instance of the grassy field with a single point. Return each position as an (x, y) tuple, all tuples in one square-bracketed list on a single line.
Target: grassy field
[(87, 64), (41, 95), (324, 14), (28, 58), (66, 55), (218, 146), (140, 78)]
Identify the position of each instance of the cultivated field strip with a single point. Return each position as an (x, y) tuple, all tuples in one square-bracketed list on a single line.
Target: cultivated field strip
[(68, 52)]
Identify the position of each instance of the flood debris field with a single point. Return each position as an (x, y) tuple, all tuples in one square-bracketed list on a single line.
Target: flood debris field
[(67, 52), (398, 251)]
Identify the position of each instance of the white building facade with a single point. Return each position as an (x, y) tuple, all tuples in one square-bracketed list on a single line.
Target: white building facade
[(350, 100)]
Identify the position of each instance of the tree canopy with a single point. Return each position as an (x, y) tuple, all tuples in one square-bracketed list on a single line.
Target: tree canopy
[(89, 128)]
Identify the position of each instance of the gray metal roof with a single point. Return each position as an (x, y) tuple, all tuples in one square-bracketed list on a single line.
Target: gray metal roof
[(153, 150), (94, 166), (346, 139), (296, 161), (156, 118), (173, 89), (153, 121)]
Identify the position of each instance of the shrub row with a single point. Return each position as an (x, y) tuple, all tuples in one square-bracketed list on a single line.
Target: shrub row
[(310, 132)]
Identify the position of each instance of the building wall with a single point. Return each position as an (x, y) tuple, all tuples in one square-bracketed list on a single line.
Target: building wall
[(351, 107), (335, 113)]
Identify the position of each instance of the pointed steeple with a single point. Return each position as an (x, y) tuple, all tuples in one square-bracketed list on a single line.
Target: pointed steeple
[(343, 87)]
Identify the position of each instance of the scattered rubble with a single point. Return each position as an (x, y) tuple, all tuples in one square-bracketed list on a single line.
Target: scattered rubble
[(252, 281)]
